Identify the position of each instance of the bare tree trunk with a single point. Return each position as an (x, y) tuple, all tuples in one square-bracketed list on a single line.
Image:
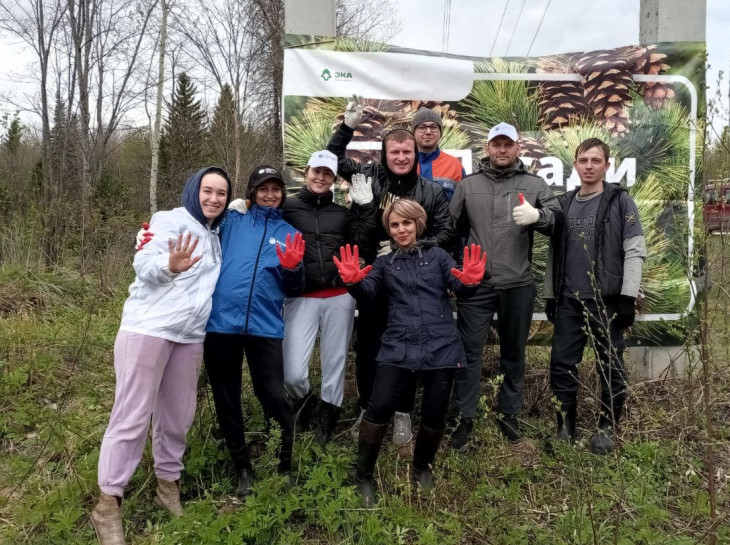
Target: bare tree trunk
[(158, 112)]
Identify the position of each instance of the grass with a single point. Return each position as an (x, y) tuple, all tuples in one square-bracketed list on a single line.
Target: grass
[(57, 386)]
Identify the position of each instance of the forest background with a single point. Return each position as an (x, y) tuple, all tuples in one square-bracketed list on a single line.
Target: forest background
[(74, 189)]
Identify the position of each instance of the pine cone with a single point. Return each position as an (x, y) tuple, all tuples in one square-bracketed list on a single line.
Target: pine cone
[(561, 102), (607, 84), (532, 148), (649, 61)]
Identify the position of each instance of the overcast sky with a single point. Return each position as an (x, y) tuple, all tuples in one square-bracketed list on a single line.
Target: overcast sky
[(568, 25)]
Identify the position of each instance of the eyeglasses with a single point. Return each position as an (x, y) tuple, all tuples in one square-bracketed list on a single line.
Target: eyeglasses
[(433, 127)]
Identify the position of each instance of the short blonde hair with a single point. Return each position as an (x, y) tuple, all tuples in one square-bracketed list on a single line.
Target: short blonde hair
[(408, 209)]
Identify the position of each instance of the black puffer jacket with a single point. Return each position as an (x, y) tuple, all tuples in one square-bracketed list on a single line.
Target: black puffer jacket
[(421, 333), (411, 186), (325, 226)]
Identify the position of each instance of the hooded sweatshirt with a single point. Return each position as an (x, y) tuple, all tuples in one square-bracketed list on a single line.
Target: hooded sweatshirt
[(176, 306)]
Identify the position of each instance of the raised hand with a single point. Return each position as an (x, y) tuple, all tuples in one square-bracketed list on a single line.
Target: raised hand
[(293, 253), (361, 191), (473, 268), (349, 265), (143, 236), (353, 111), (525, 213), (181, 253)]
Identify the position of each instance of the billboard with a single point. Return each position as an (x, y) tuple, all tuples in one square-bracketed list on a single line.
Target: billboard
[(645, 101)]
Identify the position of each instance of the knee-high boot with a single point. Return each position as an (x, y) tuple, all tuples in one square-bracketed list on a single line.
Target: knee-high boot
[(370, 440), (424, 453)]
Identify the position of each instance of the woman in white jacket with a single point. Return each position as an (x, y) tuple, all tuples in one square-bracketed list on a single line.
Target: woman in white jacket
[(159, 347)]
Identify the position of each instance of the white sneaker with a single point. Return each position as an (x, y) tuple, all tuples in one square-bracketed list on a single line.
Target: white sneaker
[(355, 429), (402, 433)]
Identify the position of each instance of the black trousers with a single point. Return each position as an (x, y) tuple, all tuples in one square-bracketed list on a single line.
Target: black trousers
[(514, 306), (372, 319), (223, 356), (573, 319), (392, 383)]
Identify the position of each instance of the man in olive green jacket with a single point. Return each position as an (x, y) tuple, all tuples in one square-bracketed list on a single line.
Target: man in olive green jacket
[(500, 207)]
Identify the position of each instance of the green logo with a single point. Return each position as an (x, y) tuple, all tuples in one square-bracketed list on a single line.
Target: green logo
[(326, 76)]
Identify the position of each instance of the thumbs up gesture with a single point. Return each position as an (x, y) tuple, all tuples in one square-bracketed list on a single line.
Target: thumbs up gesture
[(525, 213)]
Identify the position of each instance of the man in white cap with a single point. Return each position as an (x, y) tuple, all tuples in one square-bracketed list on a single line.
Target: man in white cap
[(499, 207)]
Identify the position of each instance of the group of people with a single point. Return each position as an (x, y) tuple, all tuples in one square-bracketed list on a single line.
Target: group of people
[(267, 275)]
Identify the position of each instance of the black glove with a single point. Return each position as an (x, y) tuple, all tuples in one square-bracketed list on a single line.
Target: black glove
[(626, 312), (550, 307)]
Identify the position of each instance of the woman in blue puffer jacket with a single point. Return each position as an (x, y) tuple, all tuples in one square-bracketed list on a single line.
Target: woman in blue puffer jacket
[(256, 276), (421, 341)]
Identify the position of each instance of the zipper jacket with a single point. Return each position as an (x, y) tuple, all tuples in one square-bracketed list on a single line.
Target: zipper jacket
[(173, 306), (250, 293), (325, 226)]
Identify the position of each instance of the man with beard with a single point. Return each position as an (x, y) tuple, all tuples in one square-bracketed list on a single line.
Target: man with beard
[(499, 207)]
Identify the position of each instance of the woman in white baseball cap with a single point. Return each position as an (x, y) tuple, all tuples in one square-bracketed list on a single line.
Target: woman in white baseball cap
[(324, 309)]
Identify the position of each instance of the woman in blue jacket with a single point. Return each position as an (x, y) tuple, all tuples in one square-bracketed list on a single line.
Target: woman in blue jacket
[(420, 341), (256, 276)]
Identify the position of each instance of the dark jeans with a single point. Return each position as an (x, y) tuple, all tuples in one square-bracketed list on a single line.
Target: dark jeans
[(514, 307), (392, 383), (223, 356), (372, 319), (569, 341)]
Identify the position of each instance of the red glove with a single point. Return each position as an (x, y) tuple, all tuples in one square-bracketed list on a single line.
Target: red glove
[(473, 269), (292, 255), (143, 236), (349, 267)]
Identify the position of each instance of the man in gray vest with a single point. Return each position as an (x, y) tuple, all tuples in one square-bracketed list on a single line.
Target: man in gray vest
[(591, 285), (500, 208)]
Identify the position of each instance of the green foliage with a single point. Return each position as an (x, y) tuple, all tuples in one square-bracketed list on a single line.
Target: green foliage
[(492, 102), (56, 391), (222, 137)]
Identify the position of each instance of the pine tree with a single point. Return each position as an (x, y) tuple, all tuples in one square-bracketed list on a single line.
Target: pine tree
[(13, 137), (183, 144), (222, 137)]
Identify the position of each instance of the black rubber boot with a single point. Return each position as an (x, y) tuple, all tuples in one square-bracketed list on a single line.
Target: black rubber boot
[(461, 434), (327, 418), (604, 441), (566, 422), (303, 410), (566, 426), (368, 448), (285, 454), (509, 425), (245, 482), (244, 470), (424, 453)]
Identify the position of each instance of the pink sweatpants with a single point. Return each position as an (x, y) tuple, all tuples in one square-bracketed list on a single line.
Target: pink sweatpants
[(158, 379)]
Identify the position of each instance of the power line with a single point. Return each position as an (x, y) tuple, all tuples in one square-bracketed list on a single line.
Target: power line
[(538, 27), (498, 29), (515, 29)]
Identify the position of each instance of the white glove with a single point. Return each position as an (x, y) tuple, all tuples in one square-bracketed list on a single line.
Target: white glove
[(353, 111), (239, 205), (384, 247), (361, 191), (525, 213)]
